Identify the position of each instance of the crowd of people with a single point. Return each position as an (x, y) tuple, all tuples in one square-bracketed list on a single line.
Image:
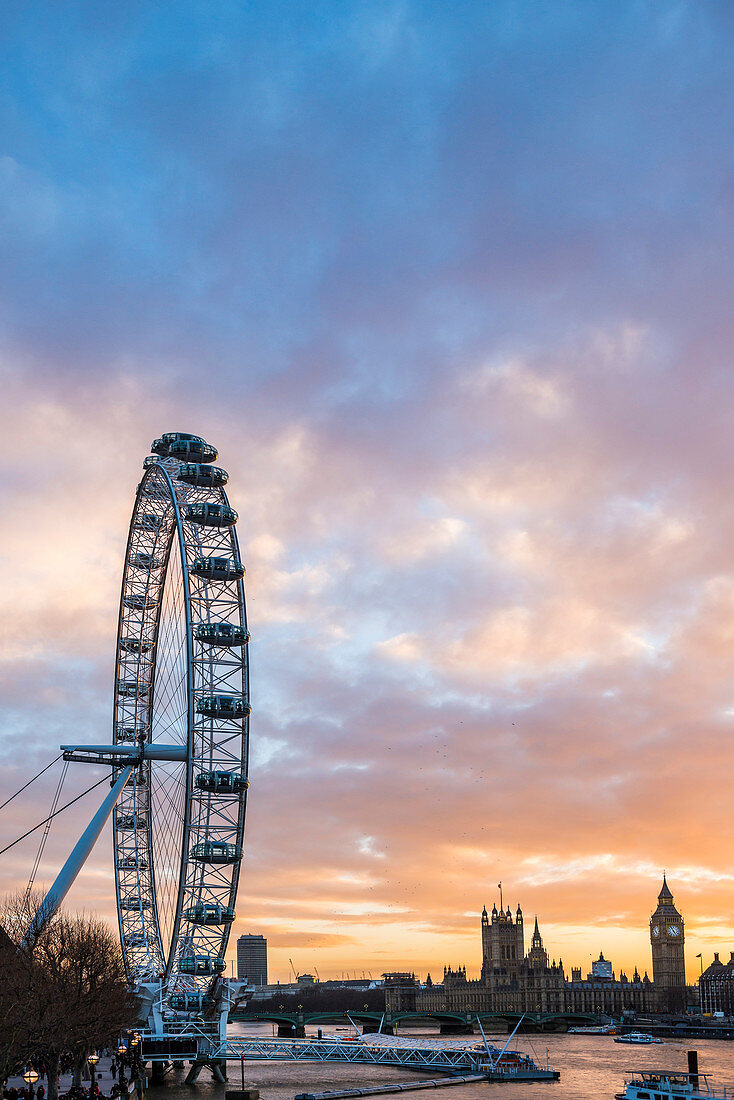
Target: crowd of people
[(120, 1085)]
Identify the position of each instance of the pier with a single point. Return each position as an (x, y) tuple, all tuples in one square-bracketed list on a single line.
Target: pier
[(209, 1050)]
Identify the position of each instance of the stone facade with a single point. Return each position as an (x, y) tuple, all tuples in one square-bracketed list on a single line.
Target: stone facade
[(513, 981), (667, 939), (716, 986)]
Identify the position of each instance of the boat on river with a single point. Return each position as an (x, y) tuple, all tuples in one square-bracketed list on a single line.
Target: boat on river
[(669, 1084), (640, 1038), (595, 1029), (663, 1084)]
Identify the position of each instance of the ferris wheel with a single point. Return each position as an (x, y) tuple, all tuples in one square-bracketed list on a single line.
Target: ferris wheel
[(181, 710)]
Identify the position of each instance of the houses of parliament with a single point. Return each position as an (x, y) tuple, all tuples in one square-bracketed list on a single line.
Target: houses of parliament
[(513, 980)]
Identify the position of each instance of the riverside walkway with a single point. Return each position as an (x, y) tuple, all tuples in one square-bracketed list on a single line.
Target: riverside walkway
[(103, 1077)]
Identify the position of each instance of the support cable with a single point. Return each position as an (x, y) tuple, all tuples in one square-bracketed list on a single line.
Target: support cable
[(40, 823), (35, 777), (46, 831)]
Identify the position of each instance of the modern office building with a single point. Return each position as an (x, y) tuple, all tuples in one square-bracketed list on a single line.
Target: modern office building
[(252, 959)]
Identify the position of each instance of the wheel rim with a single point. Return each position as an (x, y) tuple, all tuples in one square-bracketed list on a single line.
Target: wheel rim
[(181, 678)]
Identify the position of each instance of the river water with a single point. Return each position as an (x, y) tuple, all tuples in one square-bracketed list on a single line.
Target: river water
[(592, 1067)]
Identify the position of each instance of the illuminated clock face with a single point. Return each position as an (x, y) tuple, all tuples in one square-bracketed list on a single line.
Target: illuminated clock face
[(673, 930), (656, 930)]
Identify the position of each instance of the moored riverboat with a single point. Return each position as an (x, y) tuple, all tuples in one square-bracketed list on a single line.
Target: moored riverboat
[(668, 1084), (651, 1084)]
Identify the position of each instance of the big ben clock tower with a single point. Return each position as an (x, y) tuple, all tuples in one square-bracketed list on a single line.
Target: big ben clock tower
[(667, 936)]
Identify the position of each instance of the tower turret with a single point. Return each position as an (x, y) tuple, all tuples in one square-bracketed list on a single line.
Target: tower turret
[(667, 939), (537, 955), (503, 945)]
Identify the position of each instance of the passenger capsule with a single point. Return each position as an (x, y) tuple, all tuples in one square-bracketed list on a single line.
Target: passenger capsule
[(129, 863), (131, 821), (205, 477), (216, 852), (218, 569), (140, 603), (210, 914), (184, 446), (134, 901), (202, 964), (147, 521), (135, 645), (209, 514), (132, 689), (145, 561), (223, 634), (222, 782), (134, 939), (128, 735), (223, 706)]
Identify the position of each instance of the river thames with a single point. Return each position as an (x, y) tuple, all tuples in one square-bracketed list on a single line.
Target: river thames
[(591, 1066)]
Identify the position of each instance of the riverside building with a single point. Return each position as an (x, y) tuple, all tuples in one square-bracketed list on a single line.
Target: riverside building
[(716, 986), (515, 980), (252, 959)]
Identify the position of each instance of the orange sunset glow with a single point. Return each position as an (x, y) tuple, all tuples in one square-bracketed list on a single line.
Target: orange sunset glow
[(467, 360)]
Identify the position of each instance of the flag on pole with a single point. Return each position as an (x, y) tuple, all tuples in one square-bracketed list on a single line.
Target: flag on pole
[(698, 956)]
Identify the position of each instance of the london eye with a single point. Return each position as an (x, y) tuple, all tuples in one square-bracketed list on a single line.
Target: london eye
[(181, 714)]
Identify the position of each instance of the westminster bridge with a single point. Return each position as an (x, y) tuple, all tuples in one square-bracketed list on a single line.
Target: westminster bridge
[(294, 1024)]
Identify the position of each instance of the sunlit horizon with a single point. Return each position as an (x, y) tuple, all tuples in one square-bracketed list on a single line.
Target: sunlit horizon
[(448, 287)]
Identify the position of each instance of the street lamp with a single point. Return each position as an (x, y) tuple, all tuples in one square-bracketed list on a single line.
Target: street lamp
[(30, 1077), (136, 1067), (92, 1059)]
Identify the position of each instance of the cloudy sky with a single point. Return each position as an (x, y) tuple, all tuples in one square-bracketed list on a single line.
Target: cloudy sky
[(449, 285)]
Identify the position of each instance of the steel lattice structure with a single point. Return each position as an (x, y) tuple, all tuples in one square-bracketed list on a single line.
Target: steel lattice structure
[(181, 679)]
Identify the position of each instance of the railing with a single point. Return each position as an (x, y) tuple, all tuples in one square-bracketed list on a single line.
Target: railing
[(663, 1082), (451, 1059)]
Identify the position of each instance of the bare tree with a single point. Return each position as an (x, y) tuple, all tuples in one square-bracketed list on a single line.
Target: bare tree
[(64, 994), (82, 966), (21, 985)]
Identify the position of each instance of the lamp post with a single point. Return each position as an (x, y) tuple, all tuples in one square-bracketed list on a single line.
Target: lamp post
[(122, 1051), (92, 1059), (136, 1066), (30, 1077)]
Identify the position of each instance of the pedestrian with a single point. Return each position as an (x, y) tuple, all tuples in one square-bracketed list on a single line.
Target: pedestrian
[(40, 1093)]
